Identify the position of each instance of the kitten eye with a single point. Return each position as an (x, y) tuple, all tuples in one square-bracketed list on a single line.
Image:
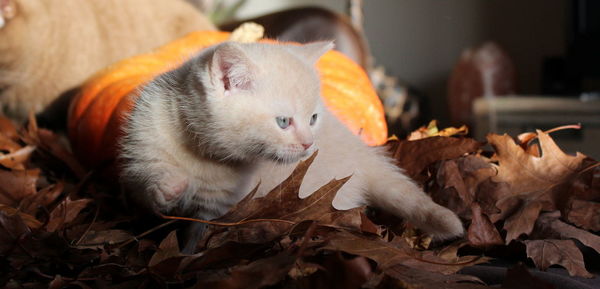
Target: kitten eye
[(313, 119), (283, 121)]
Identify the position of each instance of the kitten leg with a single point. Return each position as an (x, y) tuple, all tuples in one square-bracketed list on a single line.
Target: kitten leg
[(395, 193), (193, 233), (161, 191)]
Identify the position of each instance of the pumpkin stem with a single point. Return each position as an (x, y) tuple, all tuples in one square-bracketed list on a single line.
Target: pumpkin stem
[(247, 32)]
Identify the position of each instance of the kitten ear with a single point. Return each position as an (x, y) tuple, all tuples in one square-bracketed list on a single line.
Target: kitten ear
[(8, 10), (312, 51), (232, 68)]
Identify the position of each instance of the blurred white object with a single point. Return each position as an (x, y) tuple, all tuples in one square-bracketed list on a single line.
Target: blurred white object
[(517, 114)]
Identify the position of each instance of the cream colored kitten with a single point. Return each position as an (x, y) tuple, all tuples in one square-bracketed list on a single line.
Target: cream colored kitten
[(202, 136)]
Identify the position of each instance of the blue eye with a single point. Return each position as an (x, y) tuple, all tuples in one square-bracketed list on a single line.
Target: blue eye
[(283, 121), (313, 119)]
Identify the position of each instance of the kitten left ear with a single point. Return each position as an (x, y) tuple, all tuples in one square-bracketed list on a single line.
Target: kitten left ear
[(312, 51), (232, 68)]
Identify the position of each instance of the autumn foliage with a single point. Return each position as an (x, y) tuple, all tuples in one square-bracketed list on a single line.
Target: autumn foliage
[(63, 226)]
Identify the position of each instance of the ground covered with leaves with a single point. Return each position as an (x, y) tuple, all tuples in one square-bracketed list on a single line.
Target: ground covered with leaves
[(521, 200)]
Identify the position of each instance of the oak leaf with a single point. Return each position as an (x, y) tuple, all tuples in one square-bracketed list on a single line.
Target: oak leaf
[(282, 208), (526, 173), (585, 214), (481, 232), (549, 226), (415, 156), (565, 253), (65, 213)]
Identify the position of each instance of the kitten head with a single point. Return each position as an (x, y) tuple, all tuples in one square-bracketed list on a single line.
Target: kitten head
[(263, 100)]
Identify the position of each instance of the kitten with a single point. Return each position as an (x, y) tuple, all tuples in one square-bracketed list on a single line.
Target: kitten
[(203, 135), (50, 46)]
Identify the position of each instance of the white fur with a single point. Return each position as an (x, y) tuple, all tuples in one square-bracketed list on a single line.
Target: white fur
[(196, 146)]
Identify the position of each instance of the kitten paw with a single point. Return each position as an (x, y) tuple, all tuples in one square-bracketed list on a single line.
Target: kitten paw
[(442, 224), (170, 189)]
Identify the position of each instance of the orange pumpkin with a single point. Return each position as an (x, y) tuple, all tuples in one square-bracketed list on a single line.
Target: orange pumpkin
[(96, 113)]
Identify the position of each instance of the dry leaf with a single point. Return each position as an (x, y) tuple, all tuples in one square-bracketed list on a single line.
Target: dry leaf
[(283, 208), (585, 214), (17, 185), (432, 130), (99, 239), (549, 226), (522, 216), (413, 278), (65, 213), (481, 232), (28, 219), (526, 173), (415, 156), (259, 274), (545, 253), (168, 248), (7, 128)]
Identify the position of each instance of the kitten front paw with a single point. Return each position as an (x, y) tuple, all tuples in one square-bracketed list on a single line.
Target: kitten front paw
[(169, 190)]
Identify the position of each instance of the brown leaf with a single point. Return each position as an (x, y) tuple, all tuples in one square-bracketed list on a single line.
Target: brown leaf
[(489, 193), (168, 248), (12, 228), (17, 185), (549, 226), (545, 253), (28, 219), (258, 274), (526, 173), (585, 214), (51, 145), (284, 208), (43, 198), (270, 205), (387, 254), (415, 156), (98, 239), (463, 181), (522, 216), (414, 278), (454, 194), (65, 213), (7, 128), (383, 253), (481, 232)]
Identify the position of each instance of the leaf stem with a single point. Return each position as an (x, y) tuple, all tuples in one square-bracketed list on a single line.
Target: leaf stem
[(146, 233), (227, 224)]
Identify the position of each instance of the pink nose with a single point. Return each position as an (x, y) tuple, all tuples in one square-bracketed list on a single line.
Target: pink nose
[(306, 145)]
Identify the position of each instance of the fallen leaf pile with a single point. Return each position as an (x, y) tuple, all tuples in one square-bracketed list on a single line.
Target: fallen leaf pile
[(62, 226)]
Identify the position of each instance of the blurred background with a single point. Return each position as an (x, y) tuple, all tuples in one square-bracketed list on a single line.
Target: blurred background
[(497, 65)]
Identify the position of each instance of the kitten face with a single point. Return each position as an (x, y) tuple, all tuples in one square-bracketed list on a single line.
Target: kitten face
[(256, 111)]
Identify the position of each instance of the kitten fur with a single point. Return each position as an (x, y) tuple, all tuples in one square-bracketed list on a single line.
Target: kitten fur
[(204, 135), (50, 46)]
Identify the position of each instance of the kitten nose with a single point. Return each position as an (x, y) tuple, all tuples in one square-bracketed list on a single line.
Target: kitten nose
[(306, 145)]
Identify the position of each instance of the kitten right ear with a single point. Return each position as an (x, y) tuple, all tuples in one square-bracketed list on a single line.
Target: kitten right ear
[(312, 51), (231, 68)]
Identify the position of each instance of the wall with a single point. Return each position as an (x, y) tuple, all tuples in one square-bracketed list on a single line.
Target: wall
[(420, 40)]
